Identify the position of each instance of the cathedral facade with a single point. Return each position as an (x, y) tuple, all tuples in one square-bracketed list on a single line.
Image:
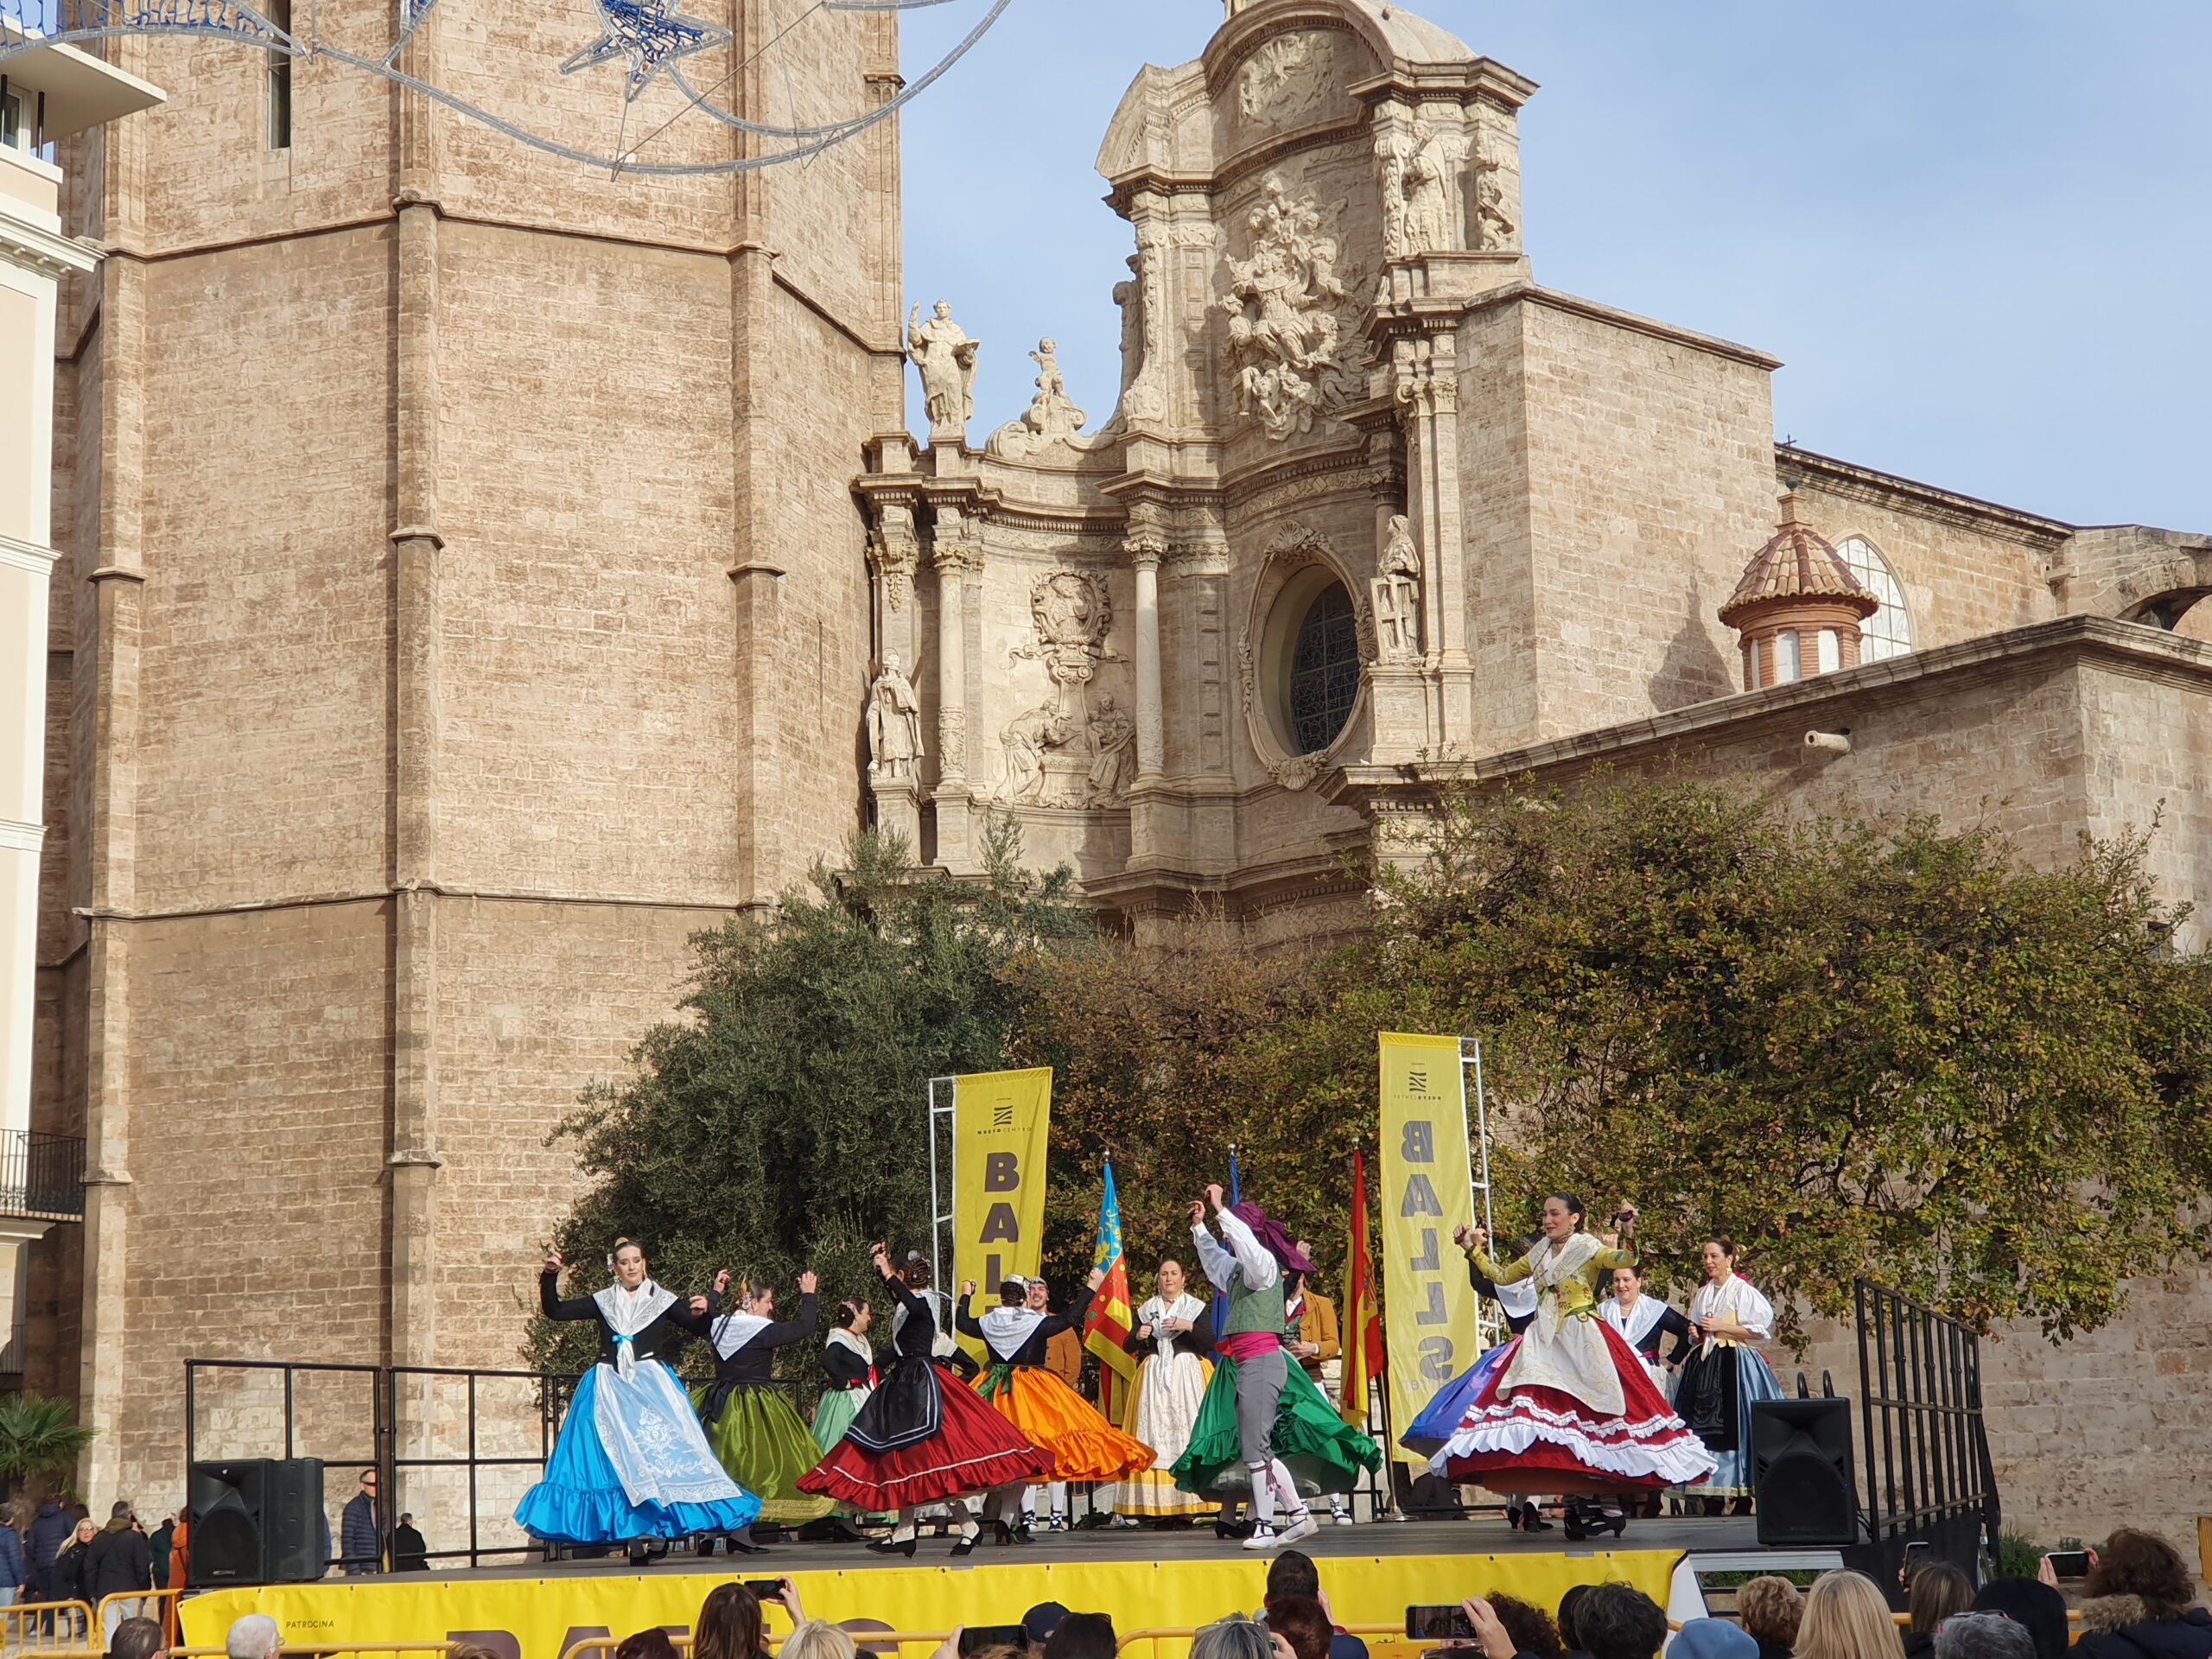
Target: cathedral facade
[(473, 586)]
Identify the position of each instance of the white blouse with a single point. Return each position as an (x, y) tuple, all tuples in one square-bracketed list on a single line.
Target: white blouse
[(1733, 1298)]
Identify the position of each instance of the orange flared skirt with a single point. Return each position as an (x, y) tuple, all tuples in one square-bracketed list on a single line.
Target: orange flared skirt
[(1061, 1423)]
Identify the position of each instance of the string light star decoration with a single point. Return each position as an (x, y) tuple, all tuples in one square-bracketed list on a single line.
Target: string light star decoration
[(649, 35)]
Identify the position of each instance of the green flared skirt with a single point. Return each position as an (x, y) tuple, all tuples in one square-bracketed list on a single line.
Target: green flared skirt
[(1323, 1452), (760, 1441), (835, 1415)]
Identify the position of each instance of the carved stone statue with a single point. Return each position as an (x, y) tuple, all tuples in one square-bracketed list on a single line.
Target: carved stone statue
[(894, 722), (1026, 739), (1418, 166), (1493, 225), (1395, 595), (1400, 556), (1285, 305), (1072, 613), (946, 358), (1113, 749), (1051, 416)]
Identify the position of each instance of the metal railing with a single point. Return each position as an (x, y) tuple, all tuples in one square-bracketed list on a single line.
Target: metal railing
[(1928, 1473), (331, 1649), (41, 1176), (60, 1629)]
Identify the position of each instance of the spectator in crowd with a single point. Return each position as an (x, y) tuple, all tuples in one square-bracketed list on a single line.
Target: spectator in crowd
[(645, 1644), (1531, 1628), (1234, 1637), (255, 1635), (1570, 1634), (817, 1638), (729, 1625), (180, 1551), (361, 1529), (122, 1566), (2039, 1608), (1768, 1608), (136, 1638), (1492, 1637), (410, 1550), (2136, 1604), (1982, 1636), (1292, 1573), (1082, 1635), (1932, 1595), (1847, 1617), (1618, 1621), (1040, 1621), (1712, 1638), (1303, 1623), (164, 1535), (14, 1566), (71, 1578), (49, 1530)]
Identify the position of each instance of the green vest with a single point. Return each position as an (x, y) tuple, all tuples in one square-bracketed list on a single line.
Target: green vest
[(1255, 1309)]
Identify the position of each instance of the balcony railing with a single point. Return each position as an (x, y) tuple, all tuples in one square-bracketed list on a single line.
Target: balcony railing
[(41, 1176)]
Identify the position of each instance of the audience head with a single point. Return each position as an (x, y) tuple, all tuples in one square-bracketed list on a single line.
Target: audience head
[(1300, 1622), (1292, 1573), (2036, 1607), (253, 1636), (1618, 1621), (2146, 1566), (1531, 1628), (1983, 1636), (646, 1644), (1938, 1591), (815, 1639), (1234, 1637), (1040, 1621), (1570, 1633), (1713, 1638), (1769, 1609), (729, 1625), (135, 1639), (1846, 1618), (1082, 1635)]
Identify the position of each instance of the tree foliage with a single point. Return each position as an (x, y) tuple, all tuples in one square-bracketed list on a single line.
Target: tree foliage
[(39, 1441)]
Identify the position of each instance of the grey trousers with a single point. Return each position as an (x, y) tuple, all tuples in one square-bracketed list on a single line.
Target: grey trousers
[(1259, 1391)]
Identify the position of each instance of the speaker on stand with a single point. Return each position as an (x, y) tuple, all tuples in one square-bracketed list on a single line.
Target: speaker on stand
[(1800, 1471), (255, 1521)]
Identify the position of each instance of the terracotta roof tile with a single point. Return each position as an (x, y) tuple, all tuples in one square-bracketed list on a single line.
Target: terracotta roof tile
[(1797, 563)]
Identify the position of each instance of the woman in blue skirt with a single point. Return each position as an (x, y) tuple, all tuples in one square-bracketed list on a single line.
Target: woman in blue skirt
[(631, 1462)]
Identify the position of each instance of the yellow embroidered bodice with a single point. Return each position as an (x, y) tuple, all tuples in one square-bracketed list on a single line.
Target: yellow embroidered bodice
[(1572, 1285)]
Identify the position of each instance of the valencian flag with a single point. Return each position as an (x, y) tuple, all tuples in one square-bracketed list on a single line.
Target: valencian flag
[(1221, 1297), (1364, 1319), (1106, 1327)]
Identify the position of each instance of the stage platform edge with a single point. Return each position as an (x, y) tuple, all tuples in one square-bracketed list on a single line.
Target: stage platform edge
[(523, 1617)]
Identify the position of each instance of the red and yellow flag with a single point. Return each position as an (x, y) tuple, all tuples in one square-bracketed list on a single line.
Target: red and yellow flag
[(1107, 1326), (1362, 1338)]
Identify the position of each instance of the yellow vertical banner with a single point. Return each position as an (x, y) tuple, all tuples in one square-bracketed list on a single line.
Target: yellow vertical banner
[(999, 1120), (1428, 1307)]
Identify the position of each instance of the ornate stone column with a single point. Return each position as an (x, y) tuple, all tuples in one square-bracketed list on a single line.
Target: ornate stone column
[(1425, 372), (952, 558), (1145, 549)]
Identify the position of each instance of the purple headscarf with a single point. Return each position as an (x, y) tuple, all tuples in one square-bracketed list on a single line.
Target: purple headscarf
[(1280, 1244)]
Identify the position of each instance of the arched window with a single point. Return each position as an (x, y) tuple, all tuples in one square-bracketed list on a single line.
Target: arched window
[(1888, 632), (1324, 669)]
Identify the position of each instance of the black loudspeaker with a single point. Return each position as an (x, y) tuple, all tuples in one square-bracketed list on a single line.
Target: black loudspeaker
[(1800, 1471), (255, 1521)]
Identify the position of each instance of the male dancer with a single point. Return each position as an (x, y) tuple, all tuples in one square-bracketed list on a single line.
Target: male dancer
[(1251, 1271)]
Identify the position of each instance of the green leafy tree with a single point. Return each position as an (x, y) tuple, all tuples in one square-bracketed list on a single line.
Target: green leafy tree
[(40, 1442), (780, 1124)]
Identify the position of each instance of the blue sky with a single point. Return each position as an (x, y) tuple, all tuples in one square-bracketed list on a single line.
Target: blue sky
[(1979, 235)]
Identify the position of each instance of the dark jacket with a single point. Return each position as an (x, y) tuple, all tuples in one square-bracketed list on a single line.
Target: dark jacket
[(164, 1535), (1918, 1645), (15, 1569), (2119, 1627), (122, 1561), (361, 1544), (411, 1551), (70, 1578), (50, 1529)]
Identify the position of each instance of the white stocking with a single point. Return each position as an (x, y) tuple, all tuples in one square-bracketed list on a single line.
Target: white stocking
[(1263, 1494), (1285, 1487)]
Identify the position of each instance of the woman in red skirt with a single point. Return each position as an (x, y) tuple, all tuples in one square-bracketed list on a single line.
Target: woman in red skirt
[(921, 1438)]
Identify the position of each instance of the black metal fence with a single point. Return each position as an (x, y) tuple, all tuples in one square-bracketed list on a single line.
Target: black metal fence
[(41, 1176), (1929, 1476)]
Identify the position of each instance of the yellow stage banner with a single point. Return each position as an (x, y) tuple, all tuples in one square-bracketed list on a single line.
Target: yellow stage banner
[(999, 1120), (1428, 1307), (540, 1616)]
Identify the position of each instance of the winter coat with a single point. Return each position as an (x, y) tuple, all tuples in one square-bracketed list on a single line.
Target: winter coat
[(50, 1529), (122, 1561), (13, 1569), (70, 1578), (359, 1542), (2120, 1627)]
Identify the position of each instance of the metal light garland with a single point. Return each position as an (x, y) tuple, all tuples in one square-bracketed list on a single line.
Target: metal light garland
[(649, 36)]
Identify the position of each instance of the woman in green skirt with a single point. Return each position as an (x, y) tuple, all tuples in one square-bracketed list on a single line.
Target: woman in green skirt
[(847, 1371), (749, 1423)]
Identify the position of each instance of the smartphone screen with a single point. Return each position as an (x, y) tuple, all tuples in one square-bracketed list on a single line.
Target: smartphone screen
[(1916, 1554), (974, 1639), (1438, 1622), (765, 1589), (2070, 1563)]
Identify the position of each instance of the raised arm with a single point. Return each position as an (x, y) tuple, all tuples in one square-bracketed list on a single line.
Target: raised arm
[(963, 1321), (548, 1295), (800, 1326), (1217, 1264), (1253, 1260), (1070, 1316)]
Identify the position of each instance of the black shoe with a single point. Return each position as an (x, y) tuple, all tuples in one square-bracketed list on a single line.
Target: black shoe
[(704, 1547), (1001, 1534), (743, 1546), (969, 1534), (893, 1546), (639, 1552), (1513, 1515), (1232, 1531), (1532, 1520), (1020, 1534), (1575, 1531)]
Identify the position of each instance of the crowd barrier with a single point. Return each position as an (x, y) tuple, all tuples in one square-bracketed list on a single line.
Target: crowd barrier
[(55, 1628)]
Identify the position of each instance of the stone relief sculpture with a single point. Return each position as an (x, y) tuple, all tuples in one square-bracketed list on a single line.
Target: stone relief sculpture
[(1287, 316), (1026, 739), (1113, 754), (1493, 225), (1051, 416), (1418, 165), (946, 358), (894, 722), (1396, 595), (1285, 77), (1072, 614)]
